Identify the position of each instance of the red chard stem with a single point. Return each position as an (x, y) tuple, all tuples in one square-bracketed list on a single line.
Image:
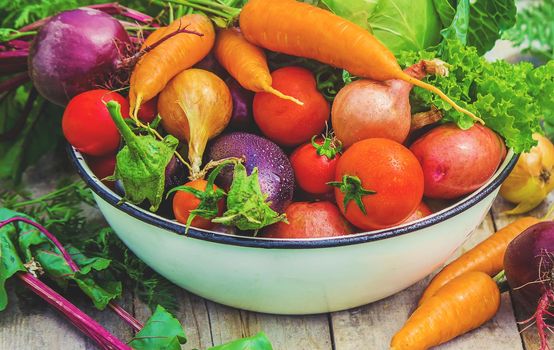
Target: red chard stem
[(102, 336), (13, 82), (116, 9), (127, 317)]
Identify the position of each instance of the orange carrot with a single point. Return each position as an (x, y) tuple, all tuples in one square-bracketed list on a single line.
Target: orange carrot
[(245, 62), (171, 57), (463, 304), (487, 256), (300, 29)]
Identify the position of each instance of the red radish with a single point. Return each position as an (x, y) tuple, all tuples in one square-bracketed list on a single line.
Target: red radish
[(87, 124), (421, 212), (314, 164), (455, 161), (287, 123), (365, 109), (529, 268), (310, 220)]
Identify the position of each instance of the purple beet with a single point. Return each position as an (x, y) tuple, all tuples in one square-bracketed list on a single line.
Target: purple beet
[(529, 268), (241, 118), (275, 172), (209, 63), (76, 51)]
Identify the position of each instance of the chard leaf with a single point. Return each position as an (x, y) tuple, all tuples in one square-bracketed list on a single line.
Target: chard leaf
[(141, 163), (247, 208), (162, 331), (256, 342), (10, 263)]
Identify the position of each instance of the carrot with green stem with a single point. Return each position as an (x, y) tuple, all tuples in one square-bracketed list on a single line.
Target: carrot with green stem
[(246, 63), (486, 257), (155, 68), (463, 304), (300, 29)]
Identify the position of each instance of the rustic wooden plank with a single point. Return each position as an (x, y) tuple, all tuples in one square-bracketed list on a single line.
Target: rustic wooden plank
[(193, 315), (285, 332), (529, 335), (372, 326)]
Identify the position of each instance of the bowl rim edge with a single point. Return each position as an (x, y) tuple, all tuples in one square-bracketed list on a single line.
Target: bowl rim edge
[(78, 161)]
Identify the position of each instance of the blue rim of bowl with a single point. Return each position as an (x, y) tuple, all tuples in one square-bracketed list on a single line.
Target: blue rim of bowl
[(275, 243)]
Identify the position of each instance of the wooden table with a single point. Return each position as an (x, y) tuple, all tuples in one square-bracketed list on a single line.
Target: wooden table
[(31, 324)]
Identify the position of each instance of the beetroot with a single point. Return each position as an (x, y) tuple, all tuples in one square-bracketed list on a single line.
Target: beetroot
[(275, 172), (529, 268), (456, 162), (76, 51)]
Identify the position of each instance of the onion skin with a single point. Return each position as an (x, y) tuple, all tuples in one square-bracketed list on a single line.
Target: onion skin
[(275, 171), (531, 180), (76, 51), (196, 105), (523, 259)]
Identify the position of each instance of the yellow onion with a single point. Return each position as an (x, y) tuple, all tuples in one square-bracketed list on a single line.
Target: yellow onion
[(195, 106), (531, 180)]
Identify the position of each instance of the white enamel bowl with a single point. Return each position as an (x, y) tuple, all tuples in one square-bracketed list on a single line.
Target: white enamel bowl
[(295, 276)]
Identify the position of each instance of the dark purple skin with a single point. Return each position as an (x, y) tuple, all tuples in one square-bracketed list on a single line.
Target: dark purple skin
[(209, 63), (241, 118), (274, 169), (523, 259), (76, 51)]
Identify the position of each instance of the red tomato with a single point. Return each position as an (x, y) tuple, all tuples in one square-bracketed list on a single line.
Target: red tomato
[(388, 170), (87, 124), (148, 110), (103, 167), (314, 166), (421, 212), (184, 202), (285, 122), (310, 220)]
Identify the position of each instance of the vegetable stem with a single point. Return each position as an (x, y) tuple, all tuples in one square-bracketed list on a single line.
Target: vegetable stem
[(102, 336), (115, 112), (127, 317)]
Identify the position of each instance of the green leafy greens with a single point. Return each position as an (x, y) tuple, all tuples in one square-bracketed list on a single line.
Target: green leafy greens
[(161, 331), (534, 30), (510, 98)]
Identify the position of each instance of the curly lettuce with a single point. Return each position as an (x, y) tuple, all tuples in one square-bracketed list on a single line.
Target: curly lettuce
[(510, 98)]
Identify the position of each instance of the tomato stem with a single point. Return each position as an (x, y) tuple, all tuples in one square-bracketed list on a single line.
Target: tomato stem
[(352, 188), (330, 147)]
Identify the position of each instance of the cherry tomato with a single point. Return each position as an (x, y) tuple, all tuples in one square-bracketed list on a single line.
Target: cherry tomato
[(87, 124), (103, 167), (314, 165), (184, 202), (379, 183), (285, 122), (421, 212), (148, 110), (310, 220)]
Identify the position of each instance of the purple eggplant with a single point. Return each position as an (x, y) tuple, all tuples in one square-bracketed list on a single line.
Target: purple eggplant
[(241, 118), (275, 172)]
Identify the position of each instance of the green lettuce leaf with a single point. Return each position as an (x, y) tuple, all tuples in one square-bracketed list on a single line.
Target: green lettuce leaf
[(256, 342), (458, 28), (488, 19), (506, 96), (162, 331)]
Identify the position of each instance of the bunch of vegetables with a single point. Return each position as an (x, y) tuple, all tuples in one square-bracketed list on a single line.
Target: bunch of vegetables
[(371, 118), (200, 128)]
